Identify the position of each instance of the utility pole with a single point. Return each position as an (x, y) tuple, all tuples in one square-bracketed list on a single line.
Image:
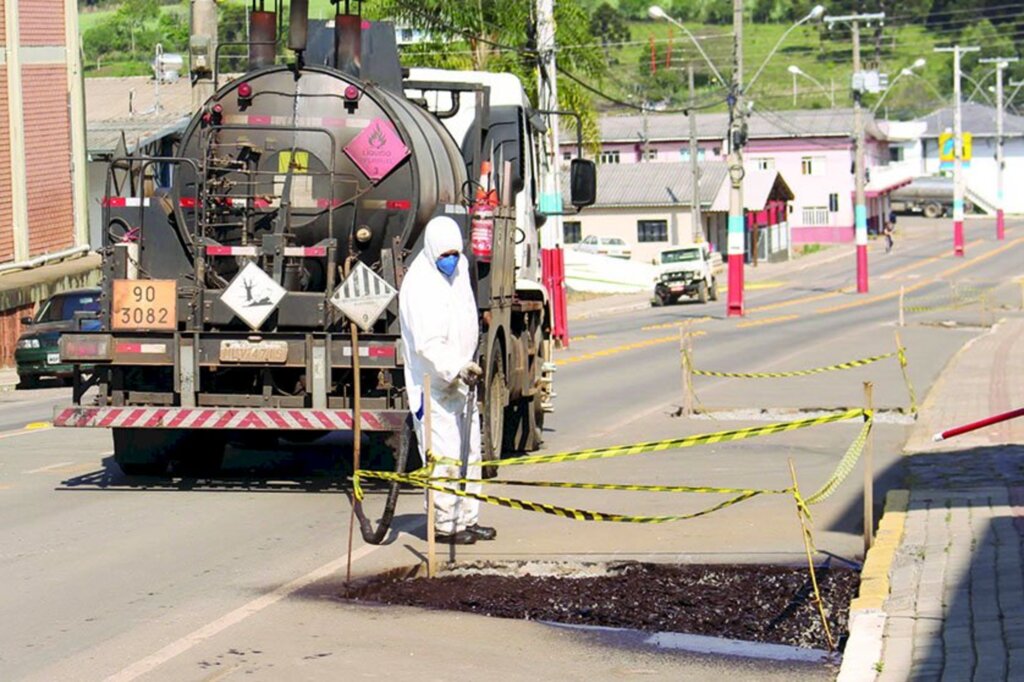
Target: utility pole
[(958, 149), (860, 208), (737, 134), (695, 213), (1001, 63), (552, 257)]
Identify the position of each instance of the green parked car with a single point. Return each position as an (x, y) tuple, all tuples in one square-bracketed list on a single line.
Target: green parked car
[(37, 354)]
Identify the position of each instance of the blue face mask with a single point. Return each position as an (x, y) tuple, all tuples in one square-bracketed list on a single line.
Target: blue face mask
[(447, 264)]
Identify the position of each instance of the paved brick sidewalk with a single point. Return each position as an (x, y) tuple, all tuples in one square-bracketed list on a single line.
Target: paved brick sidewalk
[(956, 606)]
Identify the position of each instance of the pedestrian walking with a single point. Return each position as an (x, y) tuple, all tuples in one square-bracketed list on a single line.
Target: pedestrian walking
[(440, 332), (887, 232)]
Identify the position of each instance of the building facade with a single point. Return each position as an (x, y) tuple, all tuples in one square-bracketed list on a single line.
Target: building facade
[(44, 214), (813, 150)]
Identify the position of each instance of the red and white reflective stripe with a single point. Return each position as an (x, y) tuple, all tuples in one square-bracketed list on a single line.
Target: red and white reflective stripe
[(144, 348), (306, 251), (224, 418), (125, 202), (252, 251), (388, 205), (232, 251), (371, 351)]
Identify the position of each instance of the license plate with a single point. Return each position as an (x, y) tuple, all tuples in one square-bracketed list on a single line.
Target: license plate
[(678, 288), (145, 304), (53, 358), (253, 351)]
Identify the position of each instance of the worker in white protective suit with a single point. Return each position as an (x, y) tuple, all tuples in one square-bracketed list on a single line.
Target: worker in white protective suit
[(440, 331)]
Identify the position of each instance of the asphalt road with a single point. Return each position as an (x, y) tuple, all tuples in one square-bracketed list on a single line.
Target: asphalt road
[(105, 575)]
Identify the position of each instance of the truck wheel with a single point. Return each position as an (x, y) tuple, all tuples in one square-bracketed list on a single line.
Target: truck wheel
[(713, 291), (383, 495), (933, 210), (702, 291), (495, 399), (148, 452), (529, 425)]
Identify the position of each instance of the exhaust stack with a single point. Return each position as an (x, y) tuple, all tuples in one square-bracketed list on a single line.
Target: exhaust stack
[(202, 50), (262, 39), (298, 26), (348, 43)]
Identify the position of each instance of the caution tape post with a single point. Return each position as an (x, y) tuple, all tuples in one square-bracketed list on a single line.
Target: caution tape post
[(803, 515), (901, 320), (869, 475)]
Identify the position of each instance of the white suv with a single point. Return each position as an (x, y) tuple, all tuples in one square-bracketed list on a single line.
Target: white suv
[(605, 246)]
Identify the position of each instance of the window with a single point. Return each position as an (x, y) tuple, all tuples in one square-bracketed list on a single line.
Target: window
[(566, 156), (815, 215), (407, 35), (652, 231), (651, 155), (812, 165), (896, 154), (684, 154), (571, 232), (611, 156), (833, 202), (763, 163)]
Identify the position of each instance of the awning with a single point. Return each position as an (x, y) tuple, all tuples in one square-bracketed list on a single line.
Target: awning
[(885, 183)]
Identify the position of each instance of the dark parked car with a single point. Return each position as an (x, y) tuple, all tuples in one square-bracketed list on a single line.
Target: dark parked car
[(37, 355)]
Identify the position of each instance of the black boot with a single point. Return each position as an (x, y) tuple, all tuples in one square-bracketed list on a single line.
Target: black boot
[(462, 537), (482, 532)]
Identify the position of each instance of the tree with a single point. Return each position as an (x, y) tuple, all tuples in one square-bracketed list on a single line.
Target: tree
[(608, 23), (135, 14), (498, 35)]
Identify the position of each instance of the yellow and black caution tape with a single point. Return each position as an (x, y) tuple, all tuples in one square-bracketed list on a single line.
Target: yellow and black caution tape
[(421, 478), (796, 373), (843, 469), (670, 443), (962, 295), (902, 355)]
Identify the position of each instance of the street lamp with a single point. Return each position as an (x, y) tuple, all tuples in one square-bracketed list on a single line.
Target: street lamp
[(797, 71), (908, 71), (737, 138)]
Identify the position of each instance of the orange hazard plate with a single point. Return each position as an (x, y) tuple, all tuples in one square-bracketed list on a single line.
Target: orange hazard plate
[(145, 304)]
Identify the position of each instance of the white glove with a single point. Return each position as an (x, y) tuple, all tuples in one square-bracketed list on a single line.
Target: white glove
[(470, 374)]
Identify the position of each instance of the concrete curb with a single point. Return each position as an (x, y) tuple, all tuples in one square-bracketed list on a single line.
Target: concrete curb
[(867, 617)]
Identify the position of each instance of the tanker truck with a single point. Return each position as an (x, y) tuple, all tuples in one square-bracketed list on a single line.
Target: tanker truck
[(249, 280)]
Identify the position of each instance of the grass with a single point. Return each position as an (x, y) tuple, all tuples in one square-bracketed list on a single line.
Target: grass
[(825, 57)]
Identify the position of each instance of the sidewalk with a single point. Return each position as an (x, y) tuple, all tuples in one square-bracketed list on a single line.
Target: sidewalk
[(955, 608)]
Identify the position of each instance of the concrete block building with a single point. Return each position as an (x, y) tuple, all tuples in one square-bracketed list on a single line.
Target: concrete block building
[(44, 240)]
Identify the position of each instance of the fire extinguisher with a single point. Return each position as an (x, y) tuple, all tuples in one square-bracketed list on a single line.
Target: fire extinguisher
[(481, 232)]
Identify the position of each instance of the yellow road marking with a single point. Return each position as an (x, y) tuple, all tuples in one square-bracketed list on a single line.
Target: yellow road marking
[(23, 431), (47, 468), (794, 301), (923, 283), (677, 323), (585, 337), (615, 350), (33, 426), (767, 320), (755, 286)]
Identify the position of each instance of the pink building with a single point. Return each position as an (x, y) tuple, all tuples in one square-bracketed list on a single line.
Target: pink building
[(812, 149)]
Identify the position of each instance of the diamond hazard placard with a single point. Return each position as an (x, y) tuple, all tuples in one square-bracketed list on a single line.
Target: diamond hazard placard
[(377, 150), (363, 296), (253, 295)]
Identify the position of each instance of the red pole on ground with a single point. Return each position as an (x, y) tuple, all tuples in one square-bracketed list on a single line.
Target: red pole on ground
[(980, 424)]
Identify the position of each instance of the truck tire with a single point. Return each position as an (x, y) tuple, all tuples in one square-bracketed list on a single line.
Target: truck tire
[(713, 291), (702, 291), (148, 452), (933, 210), (495, 439), (528, 421)]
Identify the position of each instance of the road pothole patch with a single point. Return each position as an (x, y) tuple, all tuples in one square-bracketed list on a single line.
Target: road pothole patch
[(755, 603)]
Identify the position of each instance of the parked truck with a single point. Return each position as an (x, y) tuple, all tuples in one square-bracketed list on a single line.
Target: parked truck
[(253, 297), (687, 271), (931, 196)]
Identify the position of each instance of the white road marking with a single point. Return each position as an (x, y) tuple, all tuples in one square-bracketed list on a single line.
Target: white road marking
[(47, 468), (197, 637)]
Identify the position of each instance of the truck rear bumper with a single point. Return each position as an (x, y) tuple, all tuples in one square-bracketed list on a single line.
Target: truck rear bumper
[(243, 419)]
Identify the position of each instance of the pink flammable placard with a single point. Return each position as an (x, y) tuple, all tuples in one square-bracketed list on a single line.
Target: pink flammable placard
[(377, 150)]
